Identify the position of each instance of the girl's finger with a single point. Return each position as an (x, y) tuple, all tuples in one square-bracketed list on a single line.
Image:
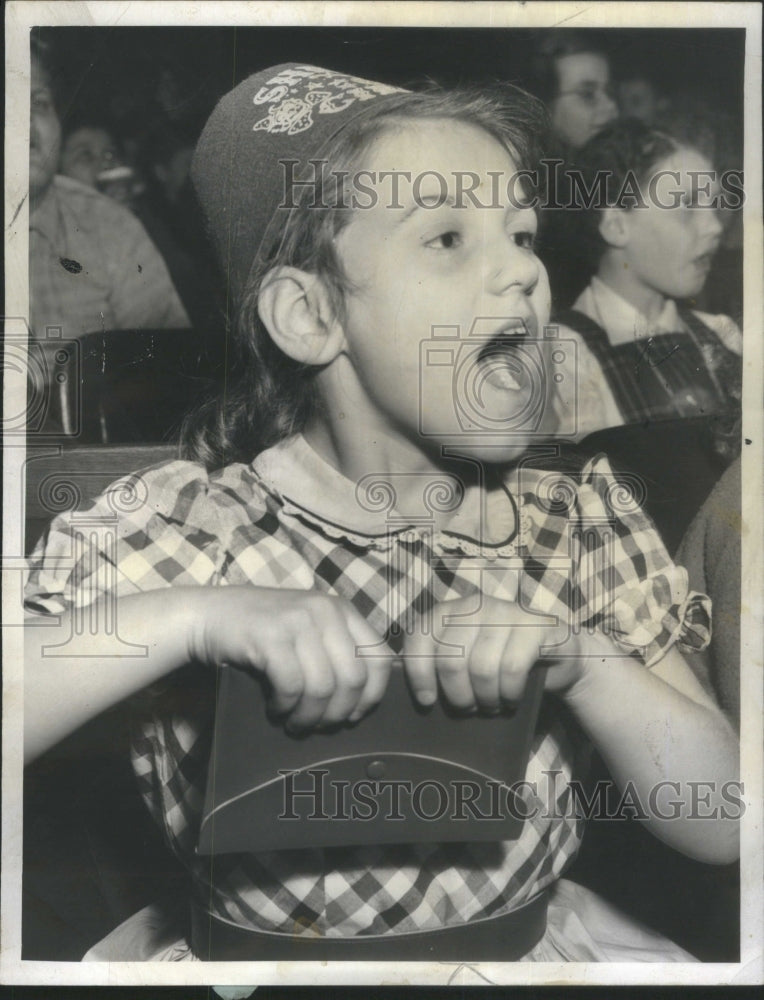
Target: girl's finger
[(377, 658), (350, 671), (318, 679), (485, 666), (453, 645), (454, 675), (284, 673), (521, 652), (419, 663)]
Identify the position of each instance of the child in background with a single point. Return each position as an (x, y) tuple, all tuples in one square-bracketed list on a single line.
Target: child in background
[(90, 154), (570, 72), (257, 552), (643, 353)]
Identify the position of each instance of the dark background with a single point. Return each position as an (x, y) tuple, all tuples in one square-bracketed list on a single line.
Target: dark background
[(115, 71)]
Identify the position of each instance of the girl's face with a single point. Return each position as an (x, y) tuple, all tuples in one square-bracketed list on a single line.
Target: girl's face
[(86, 152), (670, 249), (448, 299), (584, 103)]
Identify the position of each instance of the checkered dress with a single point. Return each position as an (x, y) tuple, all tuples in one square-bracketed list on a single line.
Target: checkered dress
[(578, 548)]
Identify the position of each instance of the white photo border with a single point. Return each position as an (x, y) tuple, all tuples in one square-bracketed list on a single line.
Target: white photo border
[(20, 18)]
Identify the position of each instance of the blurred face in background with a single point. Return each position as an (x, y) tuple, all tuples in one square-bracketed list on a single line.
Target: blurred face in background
[(669, 250), (638, 98), (44, 134), (90, 156), (86, 152), (584, 103), (172, 174)]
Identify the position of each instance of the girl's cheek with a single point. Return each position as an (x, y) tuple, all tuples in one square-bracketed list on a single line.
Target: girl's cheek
[(545, 312), (543, 298)]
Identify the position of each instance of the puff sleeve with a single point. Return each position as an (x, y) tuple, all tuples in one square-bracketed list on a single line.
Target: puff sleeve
[(149, 530), (600, 560)]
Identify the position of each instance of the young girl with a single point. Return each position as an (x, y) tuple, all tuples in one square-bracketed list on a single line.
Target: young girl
[(643, 354), (354, 223)]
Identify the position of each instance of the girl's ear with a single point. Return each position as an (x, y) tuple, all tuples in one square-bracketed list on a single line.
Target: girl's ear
[(614, 227), (297, 312)]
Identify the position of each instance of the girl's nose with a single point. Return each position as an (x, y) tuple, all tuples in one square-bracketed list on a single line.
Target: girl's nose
[(609, 109), (513, 266), (713, 225)]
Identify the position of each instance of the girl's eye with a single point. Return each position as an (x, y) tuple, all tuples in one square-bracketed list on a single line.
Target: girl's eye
[(526, 240), (445, 241)]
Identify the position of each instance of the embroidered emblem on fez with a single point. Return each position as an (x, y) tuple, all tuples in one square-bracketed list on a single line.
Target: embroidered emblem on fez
[(294, 95)]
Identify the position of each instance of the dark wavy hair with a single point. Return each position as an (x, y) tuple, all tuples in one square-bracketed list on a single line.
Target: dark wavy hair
[(269, 396)]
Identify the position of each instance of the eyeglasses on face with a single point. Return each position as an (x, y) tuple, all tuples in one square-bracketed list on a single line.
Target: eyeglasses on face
[(590, 94)]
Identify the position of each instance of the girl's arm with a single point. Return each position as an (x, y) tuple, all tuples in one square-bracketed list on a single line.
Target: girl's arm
[(303, 642), (658, 725), (62, 692), (651, 726)]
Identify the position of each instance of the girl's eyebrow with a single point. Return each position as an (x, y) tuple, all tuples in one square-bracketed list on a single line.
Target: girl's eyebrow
[(427, 202), (424, 202)]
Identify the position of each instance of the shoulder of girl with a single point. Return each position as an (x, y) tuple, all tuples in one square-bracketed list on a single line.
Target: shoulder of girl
[(622, 492), (725, 328), (184, 490), (550, 496), (596, 468), (593, 494), (564, 480)]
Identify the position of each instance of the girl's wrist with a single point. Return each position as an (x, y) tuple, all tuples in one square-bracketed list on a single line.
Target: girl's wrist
[(594, 653), (186, 618)]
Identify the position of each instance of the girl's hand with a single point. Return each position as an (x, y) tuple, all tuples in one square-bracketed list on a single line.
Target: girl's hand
[(500, 644), (304, 642)]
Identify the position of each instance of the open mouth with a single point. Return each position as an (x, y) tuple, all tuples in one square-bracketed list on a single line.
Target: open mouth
[(704, 260), (498, 358)]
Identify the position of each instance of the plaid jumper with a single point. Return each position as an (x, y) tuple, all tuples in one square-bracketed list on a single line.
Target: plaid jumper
[(577, 548), (688, 373)]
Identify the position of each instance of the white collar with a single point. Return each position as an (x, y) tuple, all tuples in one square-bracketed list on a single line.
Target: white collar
[(620, 320), (311, 488)]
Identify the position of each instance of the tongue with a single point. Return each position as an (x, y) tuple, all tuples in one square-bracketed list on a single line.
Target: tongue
[(499, 373)]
